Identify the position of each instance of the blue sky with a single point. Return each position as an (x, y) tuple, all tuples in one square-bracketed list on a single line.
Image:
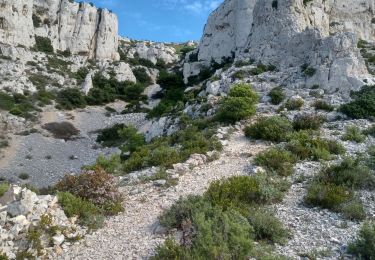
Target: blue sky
[(161, 20)]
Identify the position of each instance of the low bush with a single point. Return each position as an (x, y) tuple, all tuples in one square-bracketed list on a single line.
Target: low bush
[(363, 104), (88, 214), (305, 145), (142, 77), (370, 131), (308, 122), (95, 186), (112, 165), (6, 101), (61, 130), (276, 160), (267, 226), (240, 104), (4, 186), (71, 98), (364, 246), (351, 173), (210, 233), (277, 95), (353, 133), (323, 105), (242, 192), (43, 44), (273, 128), (294, 104)]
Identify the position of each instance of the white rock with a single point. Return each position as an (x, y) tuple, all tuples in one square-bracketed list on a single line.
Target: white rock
[(58, 239)]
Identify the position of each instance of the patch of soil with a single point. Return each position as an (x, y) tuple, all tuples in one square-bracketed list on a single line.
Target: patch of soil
[(61, 130)]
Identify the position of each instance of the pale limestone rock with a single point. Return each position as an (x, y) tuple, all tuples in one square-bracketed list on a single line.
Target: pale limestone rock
[(124, 72), (79, 27), (87, 84), (151, 51)]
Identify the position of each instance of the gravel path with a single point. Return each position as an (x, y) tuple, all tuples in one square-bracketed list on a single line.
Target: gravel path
[(130, 235)]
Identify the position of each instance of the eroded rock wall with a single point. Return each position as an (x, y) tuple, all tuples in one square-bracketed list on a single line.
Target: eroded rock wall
[(80, 28)]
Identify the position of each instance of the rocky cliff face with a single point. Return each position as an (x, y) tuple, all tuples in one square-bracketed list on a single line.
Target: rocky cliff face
[(78, 27), (290, 33)]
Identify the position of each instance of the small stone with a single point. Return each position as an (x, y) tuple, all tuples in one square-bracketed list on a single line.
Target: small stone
[(58, 239), (160, 183)]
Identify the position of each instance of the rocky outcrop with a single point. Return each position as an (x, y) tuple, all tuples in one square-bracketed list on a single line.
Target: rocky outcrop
[(76, 27), (291, 33), (34, 224), (151, 51)]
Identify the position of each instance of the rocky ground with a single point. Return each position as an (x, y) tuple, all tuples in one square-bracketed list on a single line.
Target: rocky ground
[(46, 159)]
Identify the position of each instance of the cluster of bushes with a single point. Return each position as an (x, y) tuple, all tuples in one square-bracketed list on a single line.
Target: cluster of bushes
[(353, 133), (172, 96), (89, 196), (323, 105), (363, 104), (43, 44), (225, 221), (104, 91), (334, 188), (24, 105), (194, 137), (239, 104)]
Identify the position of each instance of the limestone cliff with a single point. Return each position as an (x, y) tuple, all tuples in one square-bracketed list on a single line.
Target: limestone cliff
[(290, 33), (78, 27)]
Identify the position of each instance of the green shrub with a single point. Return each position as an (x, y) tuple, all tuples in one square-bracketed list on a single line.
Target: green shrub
[(71, 98), (305, 145), (308, 122), (111, 165), (6, 101), (277, 95), (308, 71), (240, 104), (363, 104), (81, 74), (142, 76), (364, 246), (276, 160), (353, 210), (87, 213), (294, 103), (24, 176), (353, 133), (329, 196), (273, 128), (4, 186), (43, 44), (209, 232), (370, 131), (242, 192), (351, 173), (95, 186), (267, 226), (120, 135), (323, 105)]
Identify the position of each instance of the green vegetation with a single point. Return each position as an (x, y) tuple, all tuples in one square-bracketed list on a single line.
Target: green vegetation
[(273, 128), (323, 105), (223, 224), (21, 105), (305, 145), (88, 214), (277, 95), (61, 130), (43, 44), (142, 76), (261, 68), (294, 104), (276, 160), (240, 104), (243, 192), (71, 98), (120, 134), (96, 187), (353, 133), (308, 122), (364, 246), (306, 70), (4, 186), (363, 104), (334, 188), (172, 96)]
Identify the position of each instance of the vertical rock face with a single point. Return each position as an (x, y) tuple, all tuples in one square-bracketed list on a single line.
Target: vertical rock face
[(289, 33), (78, 27), (227, 29), (16, 25)]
